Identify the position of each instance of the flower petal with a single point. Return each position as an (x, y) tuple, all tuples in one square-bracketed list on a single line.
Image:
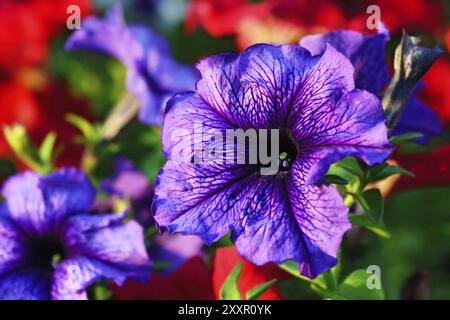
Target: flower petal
[(353, 126), (366, 53), (322, 219), (25, 285), (25, 201), (66, 192), (187, 121), (200, 199), (73, 275), (13, 252), (108, 239), (96, 34)]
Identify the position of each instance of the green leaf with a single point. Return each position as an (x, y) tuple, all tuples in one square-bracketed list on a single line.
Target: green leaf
[(405, 138), (7, 168), (230, 290), (335, 179), (351, 165), (363, 220), (382, 171), (87, 129), (259, 290), (355, 287), (19, 141), (46, 148), (372, 202)]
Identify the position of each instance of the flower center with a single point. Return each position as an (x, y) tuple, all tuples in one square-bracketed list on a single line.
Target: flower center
[(48, 252), (288, 151)]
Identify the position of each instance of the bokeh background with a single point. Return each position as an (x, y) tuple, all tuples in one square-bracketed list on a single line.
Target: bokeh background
[(40, 83)]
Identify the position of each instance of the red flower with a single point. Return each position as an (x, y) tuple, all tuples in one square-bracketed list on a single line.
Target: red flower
[(258, 22), (17, 105), (221, 17), (226, 259), (42, 111), (192, 281), (27, 27), (436, 93), (431, 169)]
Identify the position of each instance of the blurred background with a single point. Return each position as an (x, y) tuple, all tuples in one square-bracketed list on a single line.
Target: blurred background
[(40, 83)]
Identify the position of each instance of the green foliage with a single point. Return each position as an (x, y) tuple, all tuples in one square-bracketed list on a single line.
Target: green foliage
[(328, 286), (230, 290), (39, 159)]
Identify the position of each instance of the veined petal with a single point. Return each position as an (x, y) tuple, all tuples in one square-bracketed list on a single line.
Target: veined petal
[(322, 218), (73, 275), (353, 126), (13, 252), (271, 77), (108, 239), (325, 83), (187, 121), (25, 285), (366, 53), (200, 199)]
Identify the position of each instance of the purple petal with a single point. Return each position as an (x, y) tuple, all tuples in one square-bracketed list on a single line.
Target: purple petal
[(322, 219), (73, 275), (38, 204), (96, 34), (187, 117), (272, 77), (13, 251), (25, 285), (418, 118), (66, 192), (354, 126), (25, 202), (176, 250), (199, 199), (107, 238), (366, 53), (323, 86)]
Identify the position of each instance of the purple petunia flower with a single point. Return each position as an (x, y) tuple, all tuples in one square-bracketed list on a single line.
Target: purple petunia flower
[(321, 118), (52, 248), (153, 76), (367, 54)]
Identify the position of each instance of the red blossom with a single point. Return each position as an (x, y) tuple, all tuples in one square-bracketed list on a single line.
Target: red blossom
[(28, 26), (226, 259), (42, 111), (192, 281), (431, 169), (436, 93)]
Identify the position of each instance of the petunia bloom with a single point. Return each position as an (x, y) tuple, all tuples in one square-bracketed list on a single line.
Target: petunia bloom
[(367, 54), (153, 75), (52, 248), (322, 118)]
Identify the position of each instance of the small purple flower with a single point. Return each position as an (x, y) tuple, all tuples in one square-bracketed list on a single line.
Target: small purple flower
[(128, 182), (322, 118), (52, 248), (367, 54), (153, 75)]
